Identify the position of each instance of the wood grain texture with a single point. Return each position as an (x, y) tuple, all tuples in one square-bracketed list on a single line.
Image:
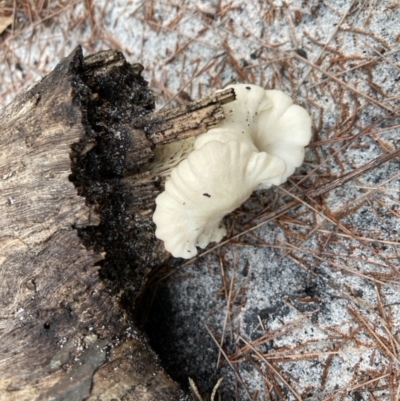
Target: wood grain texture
[(59, 323), (169, 125)]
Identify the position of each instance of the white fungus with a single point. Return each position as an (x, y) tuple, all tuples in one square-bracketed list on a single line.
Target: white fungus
[(210, 183), (259, 144), (269, 120), (168, 156)]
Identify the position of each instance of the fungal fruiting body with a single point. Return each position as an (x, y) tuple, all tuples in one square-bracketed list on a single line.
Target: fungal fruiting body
[(259, 144), (168, 156), (203, 188), (269, 120)]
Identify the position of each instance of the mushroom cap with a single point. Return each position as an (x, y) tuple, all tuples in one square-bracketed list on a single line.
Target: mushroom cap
[(268, 120), (283, 131), (202, 189)]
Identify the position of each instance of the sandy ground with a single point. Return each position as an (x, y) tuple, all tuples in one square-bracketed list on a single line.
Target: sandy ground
[(304, 306)]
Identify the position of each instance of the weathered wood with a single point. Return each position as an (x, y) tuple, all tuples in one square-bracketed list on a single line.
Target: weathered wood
[(59, 323), (170, 125), (76, 236), (42, 281)]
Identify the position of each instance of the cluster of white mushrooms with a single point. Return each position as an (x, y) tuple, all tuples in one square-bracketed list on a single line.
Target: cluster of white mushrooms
[(259, 144)]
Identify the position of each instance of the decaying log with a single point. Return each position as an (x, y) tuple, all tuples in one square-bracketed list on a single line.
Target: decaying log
[(76, 236)]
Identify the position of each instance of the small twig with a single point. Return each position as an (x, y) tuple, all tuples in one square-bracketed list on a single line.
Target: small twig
[(191, 80), (337, 27), (338, 182), (228, 310), (270, 366), (347, 86), (227, 360), (372, 332)]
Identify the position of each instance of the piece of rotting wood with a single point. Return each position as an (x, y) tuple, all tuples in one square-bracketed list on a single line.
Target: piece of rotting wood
[(171, 125), (76, 236)]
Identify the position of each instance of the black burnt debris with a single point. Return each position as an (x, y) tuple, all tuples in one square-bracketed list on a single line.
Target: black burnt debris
[(113, 93)]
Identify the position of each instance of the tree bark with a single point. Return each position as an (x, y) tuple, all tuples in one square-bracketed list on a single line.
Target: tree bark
[(76, 236)]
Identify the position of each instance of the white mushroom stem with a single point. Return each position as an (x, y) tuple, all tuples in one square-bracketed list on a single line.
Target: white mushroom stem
[(168, 156)]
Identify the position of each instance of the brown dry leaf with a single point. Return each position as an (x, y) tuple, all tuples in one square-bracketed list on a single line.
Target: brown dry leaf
[(5, 22)]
